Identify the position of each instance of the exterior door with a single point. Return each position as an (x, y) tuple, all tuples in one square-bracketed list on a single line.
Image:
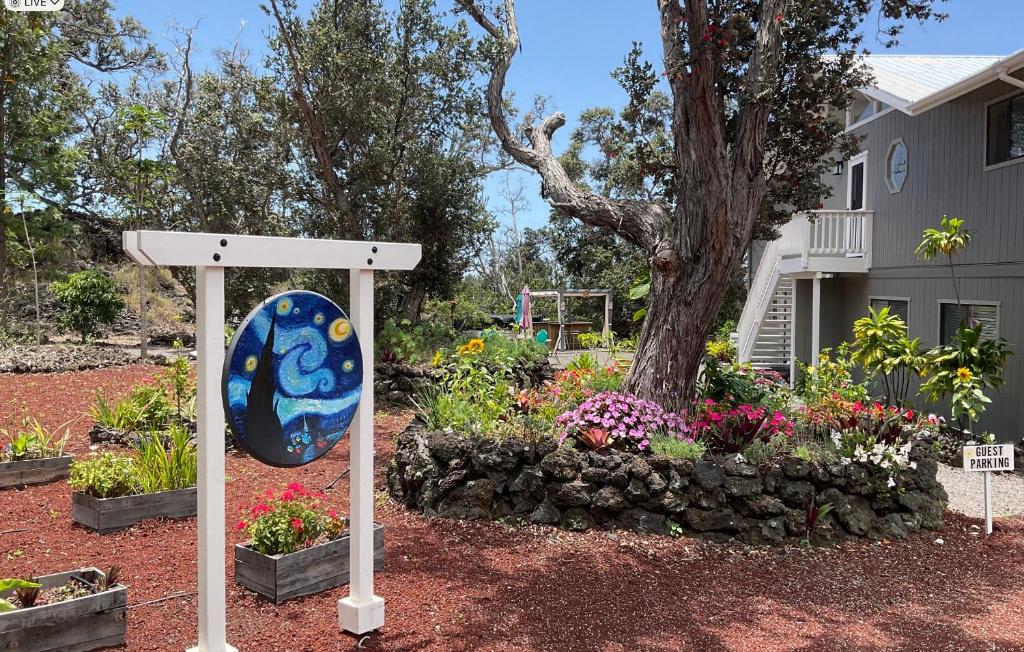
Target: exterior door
[(856, 190)]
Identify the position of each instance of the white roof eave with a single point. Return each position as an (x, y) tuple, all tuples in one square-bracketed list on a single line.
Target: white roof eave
[(979, 79)]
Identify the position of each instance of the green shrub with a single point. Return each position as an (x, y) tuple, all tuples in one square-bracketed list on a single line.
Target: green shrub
[(87, 299), (412, 343), (166, 466), (105, 476), (585, 361), (147, 407), (34, 441), (677, 448)]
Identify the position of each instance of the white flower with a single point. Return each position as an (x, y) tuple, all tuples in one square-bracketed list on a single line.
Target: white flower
[(913, 465), (891, 483), (740, 459)]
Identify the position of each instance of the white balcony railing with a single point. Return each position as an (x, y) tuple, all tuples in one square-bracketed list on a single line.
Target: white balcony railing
[(819, 241)]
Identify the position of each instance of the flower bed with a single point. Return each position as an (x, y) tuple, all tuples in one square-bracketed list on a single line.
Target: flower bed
[(115, 491), (33, 454), (297, 545), (721, 497)]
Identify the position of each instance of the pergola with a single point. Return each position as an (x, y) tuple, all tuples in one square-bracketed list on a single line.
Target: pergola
[(560, 295)]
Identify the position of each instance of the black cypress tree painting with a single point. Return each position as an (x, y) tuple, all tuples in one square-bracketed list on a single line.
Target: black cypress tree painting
[(262, 425)]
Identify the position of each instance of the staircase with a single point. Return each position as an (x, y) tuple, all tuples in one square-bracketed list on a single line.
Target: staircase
[(823, 242), (771, 346)]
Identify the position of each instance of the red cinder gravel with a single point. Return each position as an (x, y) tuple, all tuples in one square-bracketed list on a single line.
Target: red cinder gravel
[(486, 586)]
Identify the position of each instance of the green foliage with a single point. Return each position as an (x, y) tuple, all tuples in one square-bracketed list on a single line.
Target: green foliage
[(949, 239), (413, 343), (763, 451), (881, 346), (159, 465), (164, 466), (147, 407), (12, 584), (88, 299), (34, 441), (296, 518), (830, 380), (739, 383), (583, 361), (104, 476), (674, 448), (964, 369)]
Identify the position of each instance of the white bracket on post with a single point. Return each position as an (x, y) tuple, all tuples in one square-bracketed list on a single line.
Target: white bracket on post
[(210, 253)]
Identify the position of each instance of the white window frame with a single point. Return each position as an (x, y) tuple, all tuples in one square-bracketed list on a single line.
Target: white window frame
[(888, 160), (966, 302), (854, 160), (873, 297), (985, 167)]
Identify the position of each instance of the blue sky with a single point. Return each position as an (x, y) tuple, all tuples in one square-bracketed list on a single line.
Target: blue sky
[(570, 46)]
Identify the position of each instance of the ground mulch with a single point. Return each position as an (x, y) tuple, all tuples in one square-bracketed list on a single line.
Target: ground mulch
[(451, 585)]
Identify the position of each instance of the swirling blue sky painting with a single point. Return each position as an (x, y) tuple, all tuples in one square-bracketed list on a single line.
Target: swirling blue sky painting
[(292, 378)]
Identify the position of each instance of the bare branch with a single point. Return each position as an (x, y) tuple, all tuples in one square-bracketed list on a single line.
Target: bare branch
[(638, 222)]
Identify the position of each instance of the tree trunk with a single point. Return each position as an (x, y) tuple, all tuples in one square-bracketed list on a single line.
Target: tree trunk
[(4, 282), (412, 302), (680, 315)]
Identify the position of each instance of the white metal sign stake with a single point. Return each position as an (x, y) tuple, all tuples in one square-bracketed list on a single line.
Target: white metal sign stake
[(362, 611), (987, 458)]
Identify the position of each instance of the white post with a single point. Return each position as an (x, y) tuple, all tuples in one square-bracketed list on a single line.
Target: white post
[(815, 319), (988, 502), (210, 412), (792, 335), (362, 611)]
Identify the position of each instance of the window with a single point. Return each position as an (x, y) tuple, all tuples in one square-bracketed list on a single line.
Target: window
[(898, 307), (950, 316), (1004, 130)]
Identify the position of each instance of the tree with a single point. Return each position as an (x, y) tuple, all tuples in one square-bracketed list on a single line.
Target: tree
[(43, 100), (749, 141), (949, 239), (87, 299), (390, 121)]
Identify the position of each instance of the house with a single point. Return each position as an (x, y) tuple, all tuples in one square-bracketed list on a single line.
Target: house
[(938, 135)]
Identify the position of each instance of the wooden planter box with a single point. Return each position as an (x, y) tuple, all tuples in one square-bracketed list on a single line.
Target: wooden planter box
[(23, 472), (112, 514), (282, 577), (77, 625)]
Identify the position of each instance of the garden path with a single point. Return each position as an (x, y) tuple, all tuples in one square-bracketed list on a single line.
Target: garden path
[(966, 492)]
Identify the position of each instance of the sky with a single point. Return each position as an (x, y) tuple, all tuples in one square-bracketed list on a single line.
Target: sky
[(569, 49)]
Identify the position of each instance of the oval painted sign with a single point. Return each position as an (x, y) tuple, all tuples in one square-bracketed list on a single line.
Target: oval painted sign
[(292, 378)]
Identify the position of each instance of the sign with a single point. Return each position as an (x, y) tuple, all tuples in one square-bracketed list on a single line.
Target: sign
[(988, 457), (292, 379)]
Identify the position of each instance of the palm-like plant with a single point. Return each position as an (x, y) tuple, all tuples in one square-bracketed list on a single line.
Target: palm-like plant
[(882, 347), (951, 238)]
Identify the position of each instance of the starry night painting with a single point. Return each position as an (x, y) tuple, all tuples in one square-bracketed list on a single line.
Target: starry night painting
[(292, 378)]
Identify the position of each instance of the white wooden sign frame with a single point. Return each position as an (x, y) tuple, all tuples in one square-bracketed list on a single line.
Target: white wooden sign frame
[(362, 611)]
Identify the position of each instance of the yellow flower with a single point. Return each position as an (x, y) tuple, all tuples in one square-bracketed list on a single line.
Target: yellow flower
[(437, 358), (964, 374), (475, 345)]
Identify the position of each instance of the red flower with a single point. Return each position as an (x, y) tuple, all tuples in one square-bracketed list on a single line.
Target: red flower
[(288, 494), (332, 513), (297, 524), (260, 509), (241, 525)]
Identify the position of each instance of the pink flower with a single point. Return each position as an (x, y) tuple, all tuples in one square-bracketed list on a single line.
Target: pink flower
[(332, 513)]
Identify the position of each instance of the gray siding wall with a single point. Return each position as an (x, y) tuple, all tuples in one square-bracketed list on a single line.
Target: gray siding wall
[(945, 176)]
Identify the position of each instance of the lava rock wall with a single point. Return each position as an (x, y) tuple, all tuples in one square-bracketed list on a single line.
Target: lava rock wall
[(449, 475)]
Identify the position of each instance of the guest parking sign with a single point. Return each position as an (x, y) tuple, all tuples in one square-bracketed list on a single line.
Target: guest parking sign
[(989, 457)]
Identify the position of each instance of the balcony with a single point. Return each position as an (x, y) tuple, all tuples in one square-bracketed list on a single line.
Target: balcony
[(824, 241)]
